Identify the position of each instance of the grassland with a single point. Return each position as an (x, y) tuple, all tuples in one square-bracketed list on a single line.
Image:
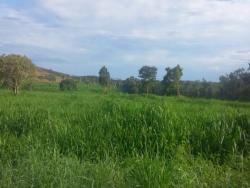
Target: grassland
[(86, 138)]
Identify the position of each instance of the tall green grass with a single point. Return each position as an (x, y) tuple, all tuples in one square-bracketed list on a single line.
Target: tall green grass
[(91, 139)]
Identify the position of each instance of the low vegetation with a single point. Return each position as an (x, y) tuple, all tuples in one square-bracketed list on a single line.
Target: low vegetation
[(68, 85), (87, 139)]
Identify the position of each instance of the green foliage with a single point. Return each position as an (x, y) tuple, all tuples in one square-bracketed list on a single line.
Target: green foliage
[(148, 76), (233, 86), (85, 139), (104, 77), (147, 73), (236, 85), (14, 70), (68, 84), (131, 85), (202, 88), (88, 79), (172, 80)]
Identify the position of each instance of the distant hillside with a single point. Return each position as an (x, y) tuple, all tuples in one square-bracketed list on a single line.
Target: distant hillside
[(47, 75)]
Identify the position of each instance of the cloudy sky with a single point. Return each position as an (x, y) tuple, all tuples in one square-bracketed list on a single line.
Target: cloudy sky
[(206, 37)]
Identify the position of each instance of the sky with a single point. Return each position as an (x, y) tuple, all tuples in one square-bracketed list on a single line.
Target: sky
[(207, 38)]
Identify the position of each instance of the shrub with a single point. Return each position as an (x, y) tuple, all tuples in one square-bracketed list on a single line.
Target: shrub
[(68, 84)]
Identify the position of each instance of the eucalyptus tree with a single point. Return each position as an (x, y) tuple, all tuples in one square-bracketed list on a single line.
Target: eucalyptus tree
[(148, 76), (172, 80)]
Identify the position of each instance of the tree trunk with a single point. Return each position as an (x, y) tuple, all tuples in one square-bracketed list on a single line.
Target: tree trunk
[(177, 89), (15, 89)]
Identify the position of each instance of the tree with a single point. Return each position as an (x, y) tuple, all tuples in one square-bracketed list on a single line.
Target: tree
[(172, 80), (104, 76), (236, 85), (131, 85), (68, 84), (148, 76), (14, 70)]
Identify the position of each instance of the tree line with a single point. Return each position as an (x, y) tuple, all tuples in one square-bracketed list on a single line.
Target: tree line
[(15, 70), (170, 85), (232, 86)]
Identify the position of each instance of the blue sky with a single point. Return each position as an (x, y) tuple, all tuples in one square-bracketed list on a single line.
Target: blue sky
[(206, 37)]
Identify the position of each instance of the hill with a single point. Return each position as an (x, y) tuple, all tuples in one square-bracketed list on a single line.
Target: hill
[(47, 75), (50, 76)]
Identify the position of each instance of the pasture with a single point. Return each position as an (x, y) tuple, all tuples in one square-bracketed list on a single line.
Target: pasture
[(86, 138)]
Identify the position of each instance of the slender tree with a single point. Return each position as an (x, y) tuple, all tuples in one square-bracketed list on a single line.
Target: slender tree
[(148, 76), (104, 77), (14, 70), (172, 80)]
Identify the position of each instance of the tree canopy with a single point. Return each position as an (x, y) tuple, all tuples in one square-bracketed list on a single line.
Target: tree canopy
[(131, 85), (172, 80), (14, 70), (148, 76), (104, 76), (236, 85), (147, 73)]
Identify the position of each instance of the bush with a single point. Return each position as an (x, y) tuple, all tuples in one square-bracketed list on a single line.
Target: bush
[(68, 84)]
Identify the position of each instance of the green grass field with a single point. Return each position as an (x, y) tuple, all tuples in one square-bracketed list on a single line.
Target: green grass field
[(87, 138)]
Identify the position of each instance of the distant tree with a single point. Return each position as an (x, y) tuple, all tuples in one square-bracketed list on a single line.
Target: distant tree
[(190, 88), (204, 87), (236, 85), (131, 85), (104, 76), (172, 80), (68, 84), (14, 70), (89, 79), (157, 88), (148, 76)]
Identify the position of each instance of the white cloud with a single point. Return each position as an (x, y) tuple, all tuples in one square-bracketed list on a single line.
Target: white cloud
[(152, 57), (102, 30), (19, 29), (156, 19), (224, 61)]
